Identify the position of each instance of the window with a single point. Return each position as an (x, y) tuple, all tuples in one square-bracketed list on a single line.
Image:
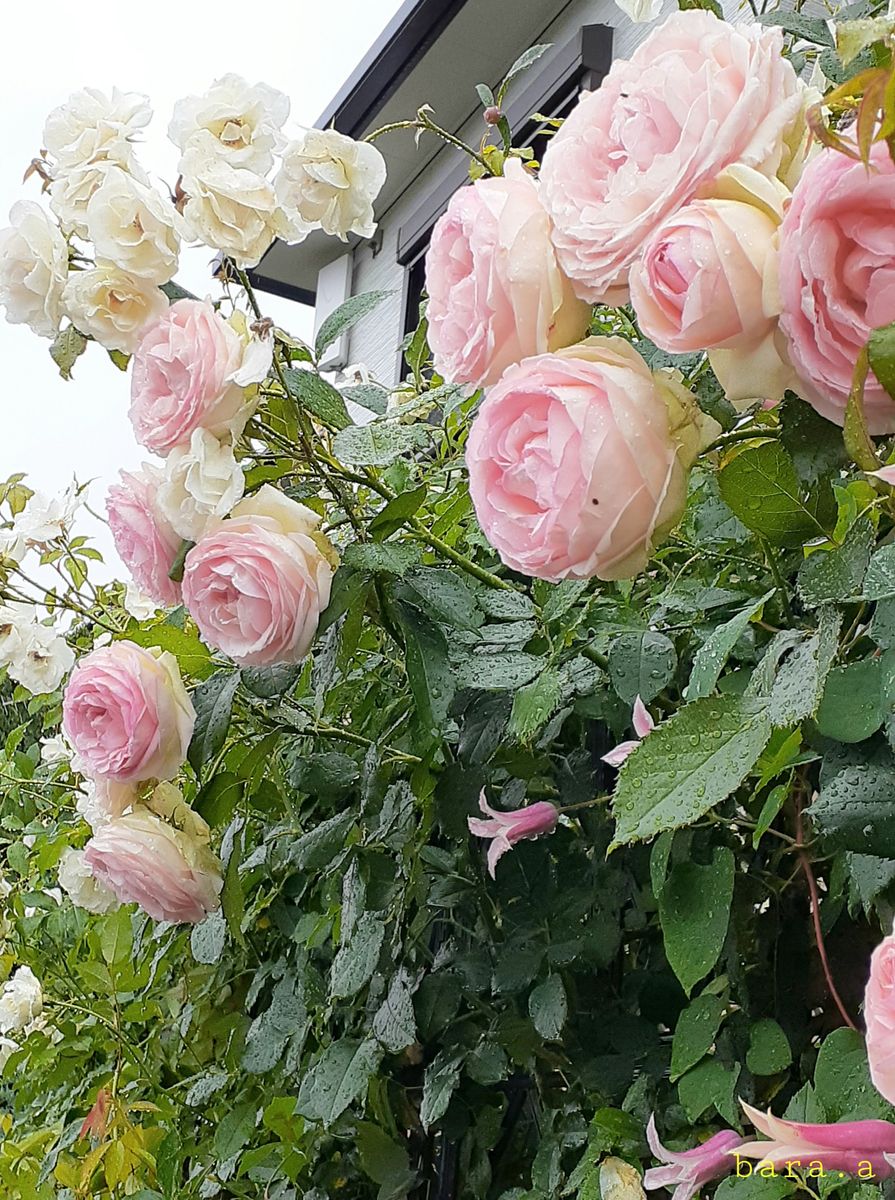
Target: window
[(552, 91)]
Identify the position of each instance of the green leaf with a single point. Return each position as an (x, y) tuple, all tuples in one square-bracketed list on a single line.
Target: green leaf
[(390, 518), (234, 1130), (116, 937), (534, 705), (208, 938), (66, 348), (829, 576), (687, 765), (269, 682), (443, 596), (755, 1187), (388, 558), (439, 1083), (695, 1032), (854, 810), (338, 1078), (809, 29), (286, 1017), (345, 317), (842, 1079), (485, 94), (769, 1051), (428, 670), (377, 445), (213, 702), (356, 960), (758, 482), (319, 846), (641, 664), (385, 1161), (522, 63), (799, 685), (711, 1083), (776, 798), (548, 1008), (852, 705), (694, 909), (371, 396), (881, 348), (174, 291), (232, 899), (858, 442), (218, 798), (320, 398), (714, 652), (851, 38), (504, 671), (394, 1024), (193, 656), (879, 582)]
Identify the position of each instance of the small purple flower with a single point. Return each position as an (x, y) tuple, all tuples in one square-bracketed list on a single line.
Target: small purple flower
[(643, 725), (687, 1170), (507, 828)]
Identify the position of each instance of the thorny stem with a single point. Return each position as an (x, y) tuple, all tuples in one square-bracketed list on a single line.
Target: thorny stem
[(805, 864), (738, 435), (778, 578), (423, 122)]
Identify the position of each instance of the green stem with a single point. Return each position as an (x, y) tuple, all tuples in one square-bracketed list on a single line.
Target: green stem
[(778, 578), (595, 656), (738, 435)]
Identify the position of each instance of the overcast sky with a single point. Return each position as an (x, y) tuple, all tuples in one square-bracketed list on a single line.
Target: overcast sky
[(306, 48)]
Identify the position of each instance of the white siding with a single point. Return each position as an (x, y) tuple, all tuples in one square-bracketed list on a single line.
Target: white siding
[(375, 341)]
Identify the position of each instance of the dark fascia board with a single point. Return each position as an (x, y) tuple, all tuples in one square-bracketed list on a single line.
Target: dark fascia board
[(279, 287), (587, 55), (412, 31)]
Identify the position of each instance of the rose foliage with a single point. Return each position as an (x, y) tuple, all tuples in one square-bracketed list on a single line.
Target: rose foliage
[(482, 787)]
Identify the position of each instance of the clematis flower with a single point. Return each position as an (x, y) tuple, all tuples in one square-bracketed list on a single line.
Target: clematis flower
[(508, 828), (643, 724), (688, 1170), (863, 1148)]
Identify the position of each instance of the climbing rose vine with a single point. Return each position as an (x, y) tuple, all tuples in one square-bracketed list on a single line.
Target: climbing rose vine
[(480, 787)]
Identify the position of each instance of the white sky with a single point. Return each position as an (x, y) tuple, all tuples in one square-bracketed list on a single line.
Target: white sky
[(52, 429)]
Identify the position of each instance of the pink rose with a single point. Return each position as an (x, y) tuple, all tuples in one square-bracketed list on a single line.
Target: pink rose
[(496, 293), (183, 377), (143, 536), (127, 713), (143, 860), (837, 278), (257, 583), (879, 1017), (578, 461), (707, 281), (697, 95)]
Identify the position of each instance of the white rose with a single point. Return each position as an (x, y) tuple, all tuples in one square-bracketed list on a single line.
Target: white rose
[(91, 125), (55, 750), (112, 306), (202, 481), (45, 518), (101, 800), (232, 120), (12, 546), (270, 502), (640, 10), (33, 269), (85, 891), (329, 180), (133, 227), (21, 1001), (137, 604), (228, 208), (71, 191), (8, 1048), (43, 660), (16, 620)]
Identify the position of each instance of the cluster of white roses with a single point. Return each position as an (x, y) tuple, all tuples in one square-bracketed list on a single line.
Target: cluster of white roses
[(227, 197)]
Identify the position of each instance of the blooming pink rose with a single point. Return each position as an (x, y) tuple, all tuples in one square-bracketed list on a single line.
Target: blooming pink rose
[(127, 713), (496, 293), (697, 95), (143, 860), (707, 281), (837, 278), (182, 377), (257, 583), (505, 829), (143, 536), (578, 461), (879, 1017)]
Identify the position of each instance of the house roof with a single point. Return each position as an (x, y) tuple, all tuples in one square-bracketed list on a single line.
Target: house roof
[(432, 51)]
